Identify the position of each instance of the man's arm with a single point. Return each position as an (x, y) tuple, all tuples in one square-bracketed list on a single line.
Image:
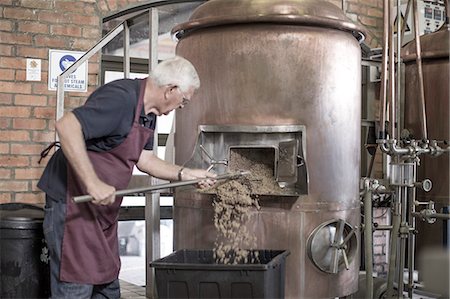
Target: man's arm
[(151, 164), (74, 148)]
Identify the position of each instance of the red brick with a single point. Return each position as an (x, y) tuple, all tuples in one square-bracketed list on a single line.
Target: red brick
[(6, 25), (34, 188), (19, 13), (357, 8), (67, 30), (34, 198), (13, 185), (4, 148), (12, 87), (93, 79), (34, 27), (83, 44), (103, 6), (6, 98), (14, 135), (12, 62), (42, 88), (32, 52), (51, 42), (52, 17), (26, 149), (14, 161), (91, 32), (84, 20), (13, 111), (37, 4), (5, 173), (45, 112), (7, 74), (93, 67), (368, 21), (28, 173), (375, 12), (75, 6), (31, 124), (30, 100), (6, 50), (5, 123), (40, 136), (21, 75), (5, 197), (16, 38)]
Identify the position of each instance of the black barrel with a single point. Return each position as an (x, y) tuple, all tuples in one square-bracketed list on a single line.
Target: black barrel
[(24, 269)]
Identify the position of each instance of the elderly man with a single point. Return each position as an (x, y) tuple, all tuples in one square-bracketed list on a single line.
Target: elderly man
[(101, 142)]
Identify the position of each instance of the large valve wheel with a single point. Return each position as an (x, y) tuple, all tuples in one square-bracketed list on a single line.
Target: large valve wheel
[(332, 246)]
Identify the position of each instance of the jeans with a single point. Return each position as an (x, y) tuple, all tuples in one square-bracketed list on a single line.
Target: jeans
[(54, 218)]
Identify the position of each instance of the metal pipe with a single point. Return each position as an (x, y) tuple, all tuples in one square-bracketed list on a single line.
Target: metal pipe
[(126, 50), (392, 99), (393, 244), (433, 215), (423, 116), (412, 236), (399, 62), (384, 70), (368, 242), (403, 236), (152, 203), (383, 227)]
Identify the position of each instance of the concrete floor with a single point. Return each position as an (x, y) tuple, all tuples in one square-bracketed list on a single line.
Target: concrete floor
[(131, 291)]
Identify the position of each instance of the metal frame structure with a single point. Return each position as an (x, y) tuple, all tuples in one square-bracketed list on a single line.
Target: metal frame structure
[(403, 159)]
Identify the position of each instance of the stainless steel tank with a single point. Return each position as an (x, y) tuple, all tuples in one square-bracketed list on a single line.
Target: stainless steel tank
[(435, 65), (285, 75)]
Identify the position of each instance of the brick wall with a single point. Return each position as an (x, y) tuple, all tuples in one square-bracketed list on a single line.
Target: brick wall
[(28, 29)]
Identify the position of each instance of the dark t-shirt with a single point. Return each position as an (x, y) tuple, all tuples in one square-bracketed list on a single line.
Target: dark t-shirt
[(106, 119)]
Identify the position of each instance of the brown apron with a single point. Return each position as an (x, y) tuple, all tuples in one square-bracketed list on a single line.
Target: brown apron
[(90, 249)]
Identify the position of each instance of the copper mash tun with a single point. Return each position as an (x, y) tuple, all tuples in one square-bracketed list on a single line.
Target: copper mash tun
[(281, 78)]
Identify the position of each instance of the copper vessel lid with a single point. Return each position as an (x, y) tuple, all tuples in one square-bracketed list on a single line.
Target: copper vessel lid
[(292, 12), (433, 45)]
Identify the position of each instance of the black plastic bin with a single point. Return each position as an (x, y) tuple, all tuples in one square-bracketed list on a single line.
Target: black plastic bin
[(24, 268), (194, 274)]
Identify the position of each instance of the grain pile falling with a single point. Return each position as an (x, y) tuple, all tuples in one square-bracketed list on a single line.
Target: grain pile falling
[(234, 201)]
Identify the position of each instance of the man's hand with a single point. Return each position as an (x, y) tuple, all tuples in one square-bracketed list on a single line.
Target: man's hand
[(102, 193), (192, 174)]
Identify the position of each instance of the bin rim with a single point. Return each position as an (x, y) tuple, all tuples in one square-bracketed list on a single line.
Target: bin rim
[(276, 260)]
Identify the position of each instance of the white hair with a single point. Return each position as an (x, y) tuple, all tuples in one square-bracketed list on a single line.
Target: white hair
[(176, 71)]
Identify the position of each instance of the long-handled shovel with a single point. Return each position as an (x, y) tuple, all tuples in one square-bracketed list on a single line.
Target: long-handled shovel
[(231, 176)]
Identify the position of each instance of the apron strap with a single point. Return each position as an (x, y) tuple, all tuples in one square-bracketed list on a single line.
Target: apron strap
[(45, 152)]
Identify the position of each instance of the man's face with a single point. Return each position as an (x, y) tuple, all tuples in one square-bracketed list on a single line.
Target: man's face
[(175, 98)]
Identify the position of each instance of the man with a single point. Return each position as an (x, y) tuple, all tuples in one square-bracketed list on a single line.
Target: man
[(101, 142)]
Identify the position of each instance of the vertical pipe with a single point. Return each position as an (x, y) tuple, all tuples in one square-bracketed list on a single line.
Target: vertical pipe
[(392, 70), (384, 75), (423, 116), (126, 50), (398, 68), (403, 236), (447, 14), (152, 206), (368, 244), (412, 237), (393, 242)]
